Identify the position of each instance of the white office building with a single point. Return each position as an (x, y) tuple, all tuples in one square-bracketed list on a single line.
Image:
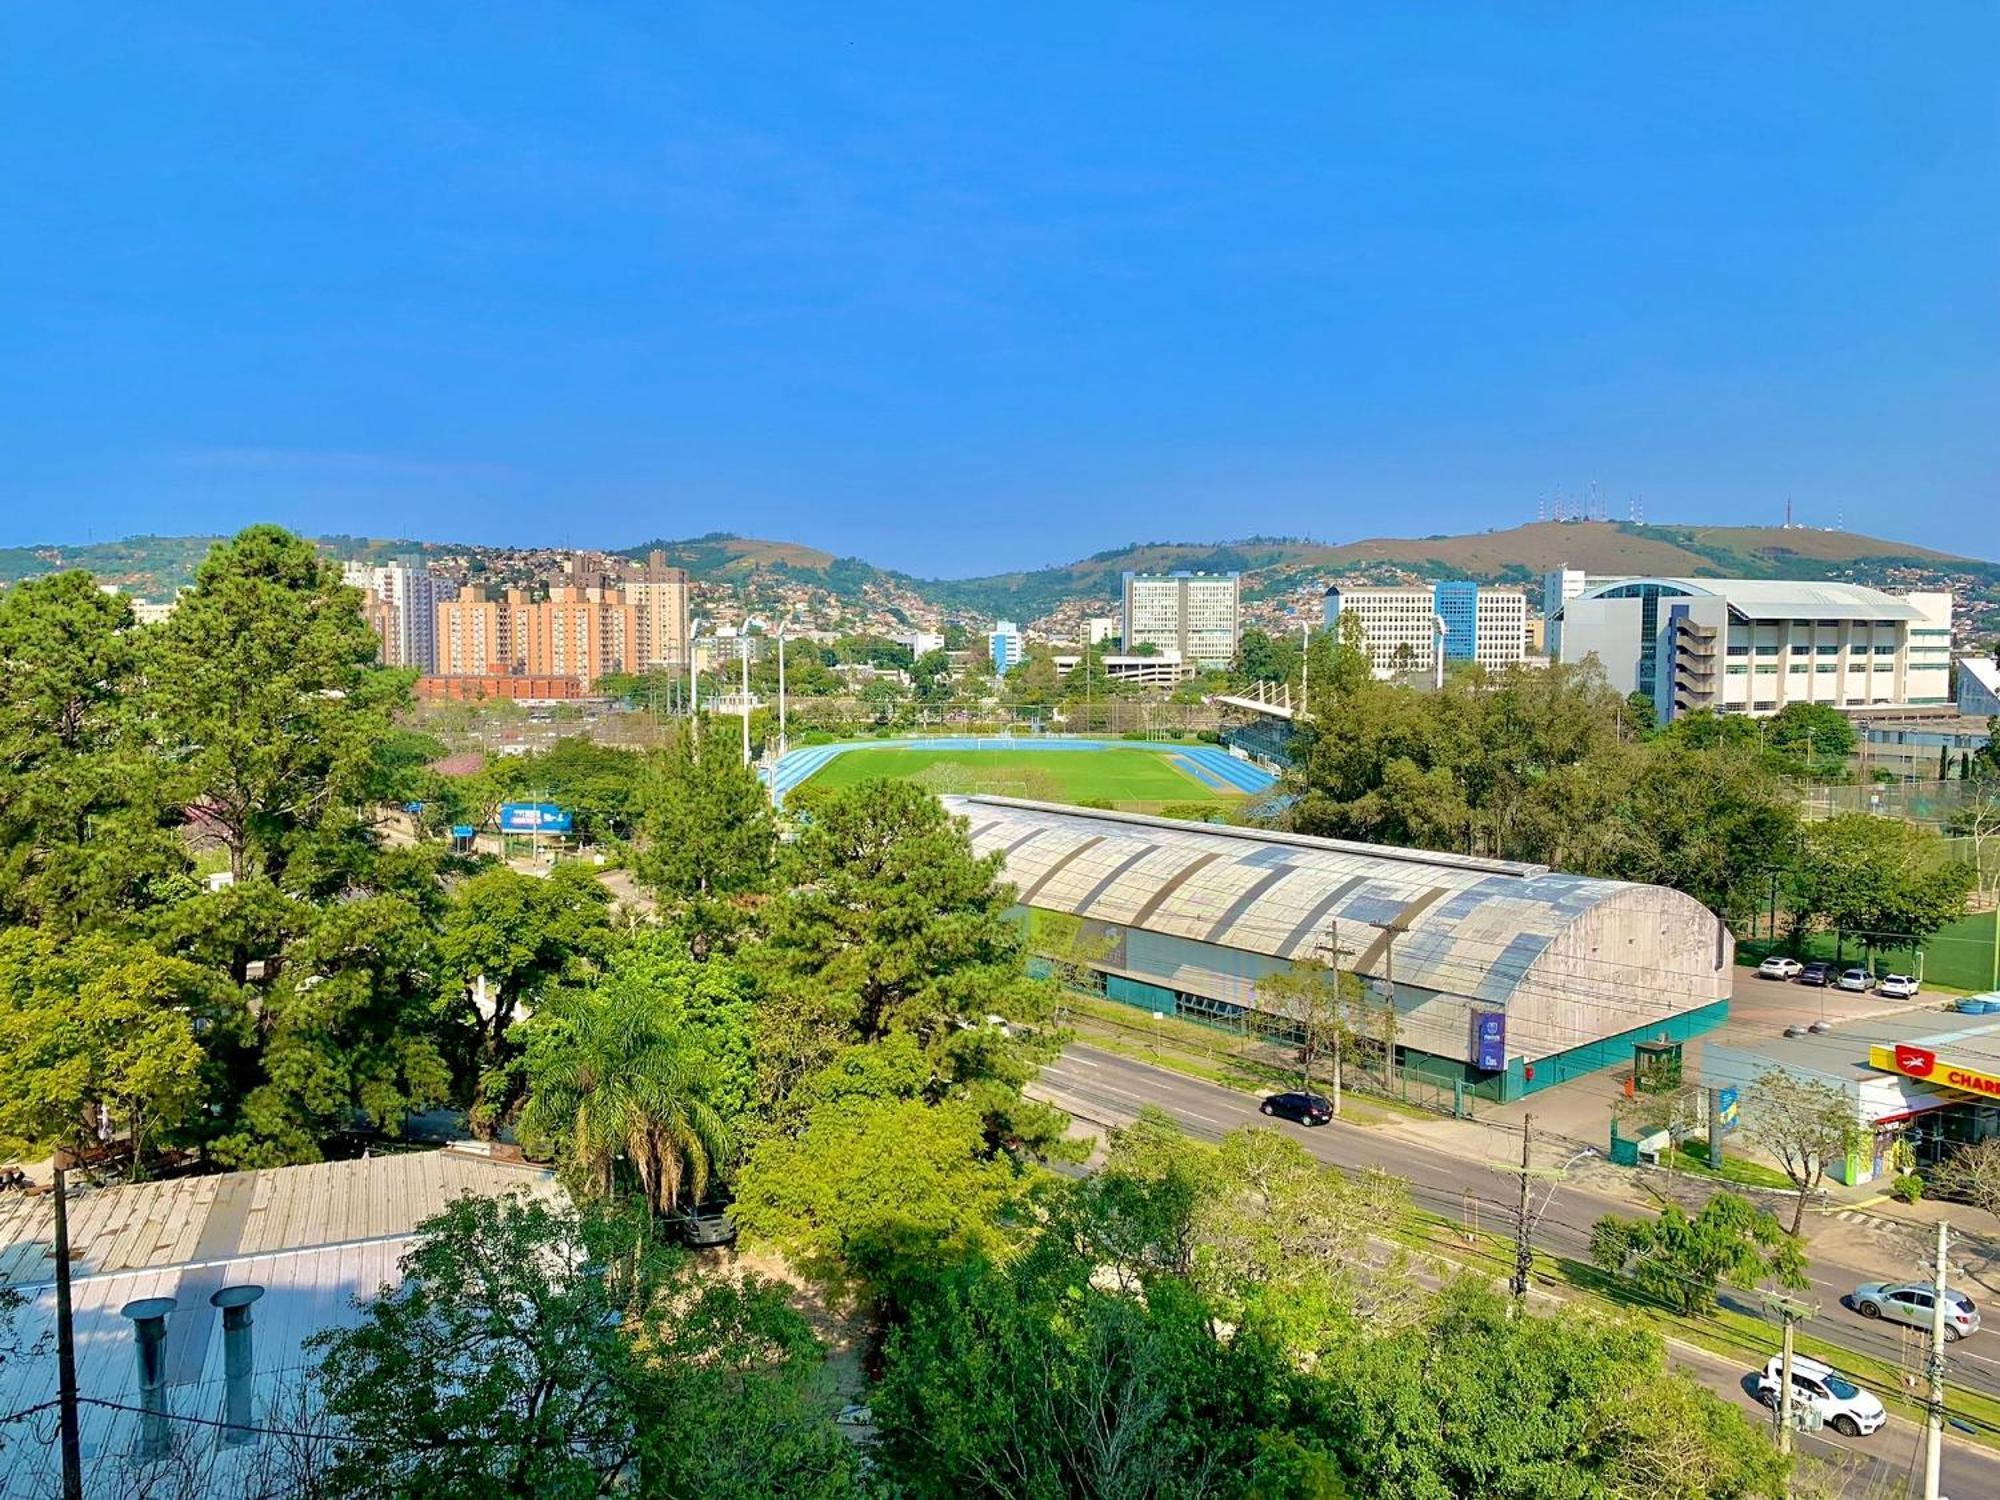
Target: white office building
[(1559, 586), (1414, 631), (1005, 645), (1161, 669), (409, 598), (1752, 646), (920, 643), (1194, 614)]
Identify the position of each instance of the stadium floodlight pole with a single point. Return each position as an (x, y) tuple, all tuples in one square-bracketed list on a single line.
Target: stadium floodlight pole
[(694, 683), (783, 744), (743, 649), (1305, 667)]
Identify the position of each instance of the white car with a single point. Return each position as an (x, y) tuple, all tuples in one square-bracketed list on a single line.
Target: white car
[(1912, 1302), (1896, 987), (1840, 1403), (1858, 980), (1779, 967)]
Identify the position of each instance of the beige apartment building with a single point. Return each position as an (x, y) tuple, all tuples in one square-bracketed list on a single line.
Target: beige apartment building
[(570, 634), (659, 594), (482, 632)]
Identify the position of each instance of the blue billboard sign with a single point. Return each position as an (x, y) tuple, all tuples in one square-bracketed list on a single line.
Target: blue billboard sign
[(1489, 1041), (533, 817), (1726, 1111)]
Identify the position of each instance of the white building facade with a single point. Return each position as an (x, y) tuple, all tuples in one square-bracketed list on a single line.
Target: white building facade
[(1005, 645), (410, 595), (1979, 686), (1416, 630), (1751, 646), (1195, 614)]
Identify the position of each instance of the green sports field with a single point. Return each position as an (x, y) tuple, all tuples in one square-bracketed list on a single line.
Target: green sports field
[(1136, 779), (1960, 957)]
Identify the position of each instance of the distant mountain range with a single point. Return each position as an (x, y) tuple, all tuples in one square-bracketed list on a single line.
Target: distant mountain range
[(155, 566)]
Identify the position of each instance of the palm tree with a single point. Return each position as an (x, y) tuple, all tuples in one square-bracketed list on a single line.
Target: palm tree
[(614, 1078)]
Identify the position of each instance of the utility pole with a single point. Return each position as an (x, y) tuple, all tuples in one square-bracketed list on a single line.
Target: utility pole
[(1524, 1251), (1389, 1011), (1785, 1388), (1526, 1216), (1934, 1407), (72, 1442), (1789, 1311)]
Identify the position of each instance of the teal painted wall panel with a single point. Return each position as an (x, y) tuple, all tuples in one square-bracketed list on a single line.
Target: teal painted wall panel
[(1608, 1052)]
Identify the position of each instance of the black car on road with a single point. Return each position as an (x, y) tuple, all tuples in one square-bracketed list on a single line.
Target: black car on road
[(1817, 973), (1307, 1109)]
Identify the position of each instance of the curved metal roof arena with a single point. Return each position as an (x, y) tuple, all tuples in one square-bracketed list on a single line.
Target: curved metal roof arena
[(1570, 958)]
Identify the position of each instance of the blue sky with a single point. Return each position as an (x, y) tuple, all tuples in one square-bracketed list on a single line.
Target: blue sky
[(961, 288)]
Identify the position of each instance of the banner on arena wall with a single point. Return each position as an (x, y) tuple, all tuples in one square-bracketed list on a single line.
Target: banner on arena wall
[(1489, 1041)]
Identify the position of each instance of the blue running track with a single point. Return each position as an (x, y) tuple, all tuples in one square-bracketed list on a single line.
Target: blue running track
[(1213, 767)]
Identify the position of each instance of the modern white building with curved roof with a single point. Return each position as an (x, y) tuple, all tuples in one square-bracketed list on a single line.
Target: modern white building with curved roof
[(1185, 918), (1751, 646)]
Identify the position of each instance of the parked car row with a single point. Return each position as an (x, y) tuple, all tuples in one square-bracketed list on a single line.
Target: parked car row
[(1820, 974)]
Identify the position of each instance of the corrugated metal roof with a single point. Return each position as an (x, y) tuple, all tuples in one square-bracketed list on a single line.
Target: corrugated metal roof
[(1783, 599), (1284, 894), (314, 1237)]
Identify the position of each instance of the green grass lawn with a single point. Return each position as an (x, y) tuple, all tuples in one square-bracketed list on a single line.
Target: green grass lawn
[(1960, 957), (1135, 778)]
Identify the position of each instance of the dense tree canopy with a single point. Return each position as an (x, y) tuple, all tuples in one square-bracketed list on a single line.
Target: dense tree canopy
[(82, 812), (262, 693), (709, 839), (531, 1353)]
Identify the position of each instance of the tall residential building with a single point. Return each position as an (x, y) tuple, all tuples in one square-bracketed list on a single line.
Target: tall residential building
[(1192, 613), (1004, 642), (411, 594), (571, 634), (660, 595), (1417, 630), (1751, 646), (476, 633)]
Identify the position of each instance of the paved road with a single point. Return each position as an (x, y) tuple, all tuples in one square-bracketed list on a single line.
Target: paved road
[(1110, 1089)]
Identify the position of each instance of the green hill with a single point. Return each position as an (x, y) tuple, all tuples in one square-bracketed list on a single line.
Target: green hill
[(153, 566)]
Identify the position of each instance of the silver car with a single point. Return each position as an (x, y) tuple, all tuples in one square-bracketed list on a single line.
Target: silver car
[(1911, 1302), (1858, 980)]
